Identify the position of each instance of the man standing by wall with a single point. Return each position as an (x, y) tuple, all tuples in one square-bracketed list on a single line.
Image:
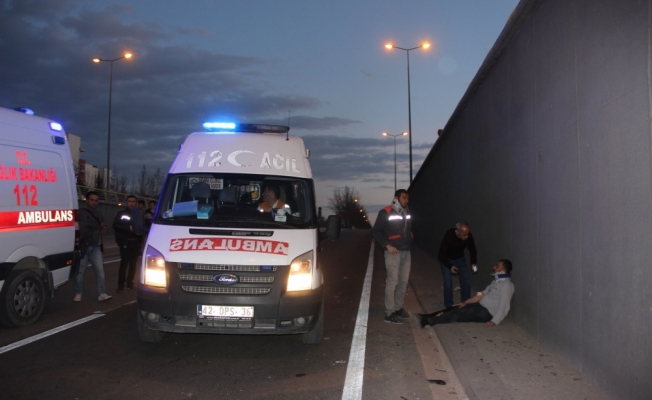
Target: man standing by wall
[(451, 260), (91, 229), (128, 226), (393, 232)]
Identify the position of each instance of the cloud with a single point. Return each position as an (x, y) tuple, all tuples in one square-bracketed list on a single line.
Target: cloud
[(159, 96), (163, 93), (320, 124), (350, 158), (201, 32)]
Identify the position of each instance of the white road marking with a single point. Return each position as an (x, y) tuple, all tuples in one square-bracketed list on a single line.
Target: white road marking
[(48, 333), (355, 369), (112, 261)]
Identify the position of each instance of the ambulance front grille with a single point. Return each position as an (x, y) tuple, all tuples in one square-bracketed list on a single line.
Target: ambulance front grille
[(220, 267), (225, 290), (242, 279)]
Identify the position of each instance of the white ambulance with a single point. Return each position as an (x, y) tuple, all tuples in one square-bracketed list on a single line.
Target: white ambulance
[(38, 210), (234, 246)]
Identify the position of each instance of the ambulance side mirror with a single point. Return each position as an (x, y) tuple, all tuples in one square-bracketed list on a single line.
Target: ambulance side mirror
[(333, 227)]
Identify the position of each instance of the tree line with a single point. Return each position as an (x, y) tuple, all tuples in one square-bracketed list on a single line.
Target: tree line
[(346, 203), (143, 184)]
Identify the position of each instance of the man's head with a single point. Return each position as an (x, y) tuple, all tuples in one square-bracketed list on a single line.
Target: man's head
[(271, 194), (141, 204), (403, 197), (131, 202), (503, 266), (462, 230), (92, 200), (152, 205)]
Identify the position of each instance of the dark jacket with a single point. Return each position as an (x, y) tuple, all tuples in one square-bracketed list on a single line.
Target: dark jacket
[(393, 228), (121, 224), (453, 247), (90, 227)]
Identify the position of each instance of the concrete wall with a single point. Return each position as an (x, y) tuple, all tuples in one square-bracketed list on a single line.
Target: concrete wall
[(549, 158)]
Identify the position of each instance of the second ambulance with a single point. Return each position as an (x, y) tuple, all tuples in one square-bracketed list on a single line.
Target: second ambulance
[(234, 245)]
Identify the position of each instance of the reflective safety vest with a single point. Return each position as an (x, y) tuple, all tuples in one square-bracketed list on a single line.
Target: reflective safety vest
[(393, 228)]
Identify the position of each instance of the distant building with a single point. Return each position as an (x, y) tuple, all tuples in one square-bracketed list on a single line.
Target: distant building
[(74, 142), (87, 174)]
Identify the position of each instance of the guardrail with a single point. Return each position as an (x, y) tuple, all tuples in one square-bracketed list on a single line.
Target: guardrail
[(107, 196)]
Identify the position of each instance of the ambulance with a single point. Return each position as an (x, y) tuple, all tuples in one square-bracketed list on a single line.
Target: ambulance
[(224, 257), (38, 211)]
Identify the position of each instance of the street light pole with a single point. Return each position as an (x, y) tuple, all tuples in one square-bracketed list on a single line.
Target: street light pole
[(407, 51), (395, 136), (108, 145)]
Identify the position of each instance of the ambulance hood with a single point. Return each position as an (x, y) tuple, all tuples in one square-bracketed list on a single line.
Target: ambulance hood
[(232, 247)]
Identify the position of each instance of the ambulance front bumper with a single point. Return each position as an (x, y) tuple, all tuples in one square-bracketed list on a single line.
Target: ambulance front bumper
[(289, 313)]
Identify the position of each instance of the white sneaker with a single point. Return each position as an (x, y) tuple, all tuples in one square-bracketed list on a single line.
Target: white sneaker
[(104, 296), (457, 288), (77, 297)]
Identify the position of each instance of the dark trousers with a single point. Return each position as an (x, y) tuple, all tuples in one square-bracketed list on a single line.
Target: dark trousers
[(128, 262), (470, 313), (465, 281)]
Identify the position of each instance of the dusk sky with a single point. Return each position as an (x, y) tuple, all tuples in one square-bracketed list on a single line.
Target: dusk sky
[(321, 62)]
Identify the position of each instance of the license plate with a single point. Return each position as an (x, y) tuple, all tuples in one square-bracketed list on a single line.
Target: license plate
[(238, 312)]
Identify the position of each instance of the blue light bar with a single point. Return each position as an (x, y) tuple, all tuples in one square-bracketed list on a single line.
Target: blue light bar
[(230, 127), (25, 110), (218, 125), (55, 126)]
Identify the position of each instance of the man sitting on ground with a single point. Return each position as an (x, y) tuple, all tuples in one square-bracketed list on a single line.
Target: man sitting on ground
[(490, 306)]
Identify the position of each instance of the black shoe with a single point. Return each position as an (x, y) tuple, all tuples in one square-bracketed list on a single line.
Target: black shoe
[(417, 319), (393, 319), (401, 313), (120, 289), (130, 286)]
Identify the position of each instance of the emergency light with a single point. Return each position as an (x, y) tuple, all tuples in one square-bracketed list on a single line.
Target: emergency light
[(55, 126), (24, 110), (230, 128)]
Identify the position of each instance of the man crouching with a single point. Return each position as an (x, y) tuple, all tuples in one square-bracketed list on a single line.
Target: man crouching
[(489, 306)]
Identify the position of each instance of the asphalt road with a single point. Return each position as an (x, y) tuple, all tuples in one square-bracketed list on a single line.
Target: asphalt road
[(105, 359)]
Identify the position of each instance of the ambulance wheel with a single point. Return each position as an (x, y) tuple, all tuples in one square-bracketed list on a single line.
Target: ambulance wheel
[(23, 298), (314, 336), (146, 334)]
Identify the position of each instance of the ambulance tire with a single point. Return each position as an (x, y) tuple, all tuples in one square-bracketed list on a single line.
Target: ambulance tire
[(314, 336), (146, 334), (23, 298)]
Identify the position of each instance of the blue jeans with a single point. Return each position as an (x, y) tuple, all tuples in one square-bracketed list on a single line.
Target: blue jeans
[(465, 281), (398, 274), (94, 255)]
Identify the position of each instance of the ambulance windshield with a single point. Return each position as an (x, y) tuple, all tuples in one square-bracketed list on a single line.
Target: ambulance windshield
[(236, 200)]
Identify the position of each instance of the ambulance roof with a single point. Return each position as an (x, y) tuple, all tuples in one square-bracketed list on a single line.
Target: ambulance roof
[(28, 121)]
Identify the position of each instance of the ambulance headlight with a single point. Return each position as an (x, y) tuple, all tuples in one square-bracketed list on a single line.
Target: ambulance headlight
[(154, 268), (301, 273)]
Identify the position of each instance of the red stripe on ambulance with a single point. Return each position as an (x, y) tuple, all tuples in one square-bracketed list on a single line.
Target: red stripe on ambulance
[(225, 244), (24, 220)]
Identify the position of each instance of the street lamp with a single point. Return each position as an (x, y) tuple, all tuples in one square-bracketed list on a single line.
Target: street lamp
[(108, 146), (407, 51), (395, 136)]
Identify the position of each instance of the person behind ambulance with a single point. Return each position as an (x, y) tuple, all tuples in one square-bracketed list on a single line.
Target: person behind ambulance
[(271, 199), (393, 232), (128, 225), (91, 229)]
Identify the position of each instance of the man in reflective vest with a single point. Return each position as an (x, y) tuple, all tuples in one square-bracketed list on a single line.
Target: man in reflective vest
[(393, 232)]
